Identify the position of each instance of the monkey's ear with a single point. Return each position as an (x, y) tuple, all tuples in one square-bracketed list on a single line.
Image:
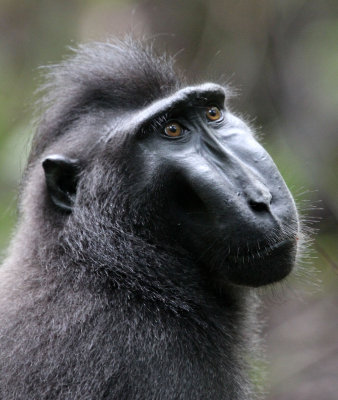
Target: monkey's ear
[(61, 175)]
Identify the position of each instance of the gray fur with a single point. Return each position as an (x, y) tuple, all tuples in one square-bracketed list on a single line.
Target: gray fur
[(90, 308)]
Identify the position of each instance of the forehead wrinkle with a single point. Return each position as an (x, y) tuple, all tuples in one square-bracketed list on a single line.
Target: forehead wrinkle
[(155, 109)]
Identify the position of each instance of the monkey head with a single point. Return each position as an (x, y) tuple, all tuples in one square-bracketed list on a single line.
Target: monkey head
[(193, 172)]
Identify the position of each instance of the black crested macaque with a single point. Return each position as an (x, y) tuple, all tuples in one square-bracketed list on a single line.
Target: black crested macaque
[(148, 213)]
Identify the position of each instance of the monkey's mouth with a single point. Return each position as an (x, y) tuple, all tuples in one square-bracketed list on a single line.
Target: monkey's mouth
[(261, 252), (265, 266)]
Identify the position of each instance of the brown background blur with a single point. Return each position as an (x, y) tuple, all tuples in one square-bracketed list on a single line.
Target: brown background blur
[(282, 57)]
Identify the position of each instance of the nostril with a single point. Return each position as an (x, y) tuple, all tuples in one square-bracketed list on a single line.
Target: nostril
[(258, 206)]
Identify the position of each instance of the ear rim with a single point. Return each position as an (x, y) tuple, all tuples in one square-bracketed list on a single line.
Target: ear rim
[(58, 168)]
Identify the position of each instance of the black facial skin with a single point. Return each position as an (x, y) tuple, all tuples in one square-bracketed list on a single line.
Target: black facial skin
[(227, 202), (144, 224)]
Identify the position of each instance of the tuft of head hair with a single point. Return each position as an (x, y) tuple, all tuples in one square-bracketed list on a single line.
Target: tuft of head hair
[(118, 75)]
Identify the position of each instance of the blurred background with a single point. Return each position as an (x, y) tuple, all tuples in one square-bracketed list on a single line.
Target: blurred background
[(282, 58)]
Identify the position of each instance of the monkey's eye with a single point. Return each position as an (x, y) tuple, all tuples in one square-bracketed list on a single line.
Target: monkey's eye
[(173, 129), (213, 113)]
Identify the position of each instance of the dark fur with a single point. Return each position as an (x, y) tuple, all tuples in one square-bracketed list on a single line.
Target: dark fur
[(101, 303)]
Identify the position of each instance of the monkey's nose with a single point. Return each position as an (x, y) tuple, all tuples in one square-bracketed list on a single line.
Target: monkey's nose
[(259, 199)]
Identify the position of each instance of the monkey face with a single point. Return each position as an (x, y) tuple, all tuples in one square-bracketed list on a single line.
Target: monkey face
[(193, 165), (225, 198)]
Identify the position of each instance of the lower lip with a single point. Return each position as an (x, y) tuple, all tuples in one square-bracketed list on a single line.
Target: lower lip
[(283, 243), (266, 251)]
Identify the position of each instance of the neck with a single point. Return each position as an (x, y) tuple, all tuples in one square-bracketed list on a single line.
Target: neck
[(147, 315)]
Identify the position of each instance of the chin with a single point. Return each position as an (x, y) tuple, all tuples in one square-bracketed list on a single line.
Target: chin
[(263, 268)]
